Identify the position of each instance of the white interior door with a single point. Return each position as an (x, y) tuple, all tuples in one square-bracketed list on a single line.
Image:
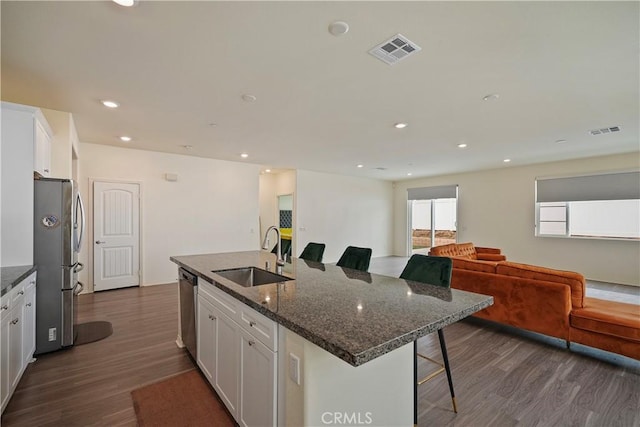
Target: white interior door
[(116, 235)]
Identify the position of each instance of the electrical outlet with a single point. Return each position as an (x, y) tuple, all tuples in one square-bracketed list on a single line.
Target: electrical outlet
[(294, 368), (52, 334)]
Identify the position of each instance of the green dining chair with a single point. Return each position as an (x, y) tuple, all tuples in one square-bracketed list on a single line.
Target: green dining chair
[(355, 258), (436, 271), (285, 250), (313, 252)]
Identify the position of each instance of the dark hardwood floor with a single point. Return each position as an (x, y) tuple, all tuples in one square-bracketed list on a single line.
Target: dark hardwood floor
[(502, 376), (91, 384)]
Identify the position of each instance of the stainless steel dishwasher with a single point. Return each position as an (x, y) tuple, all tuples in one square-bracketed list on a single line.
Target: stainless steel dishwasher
[(188, 304)]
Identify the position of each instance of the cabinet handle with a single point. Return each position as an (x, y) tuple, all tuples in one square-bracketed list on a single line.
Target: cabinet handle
[(33, 282), (21, 293), (46, 170), (28, 304), (251, 342), (252, 323), (15, 321), (211, 316), (5, 307)]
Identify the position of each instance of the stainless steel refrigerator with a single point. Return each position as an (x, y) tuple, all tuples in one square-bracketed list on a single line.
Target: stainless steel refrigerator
[(58, 231)]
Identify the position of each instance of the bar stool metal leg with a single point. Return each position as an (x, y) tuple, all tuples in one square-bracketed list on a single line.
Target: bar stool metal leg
[(443, 347), (415, 383)]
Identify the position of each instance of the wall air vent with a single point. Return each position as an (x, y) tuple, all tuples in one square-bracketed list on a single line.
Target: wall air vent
[(395, 49), (604, 130), (380, 169)]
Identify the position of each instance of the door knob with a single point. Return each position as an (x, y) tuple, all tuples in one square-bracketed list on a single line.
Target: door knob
[(100, 242)]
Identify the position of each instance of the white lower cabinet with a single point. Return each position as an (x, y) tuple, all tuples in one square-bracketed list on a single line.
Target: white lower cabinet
[(227, 359), (17, 335), (234, 358), (206, 332), (257, 379)]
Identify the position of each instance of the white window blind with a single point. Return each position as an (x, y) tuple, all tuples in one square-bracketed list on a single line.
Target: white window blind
[(610, 186), (430, 193)]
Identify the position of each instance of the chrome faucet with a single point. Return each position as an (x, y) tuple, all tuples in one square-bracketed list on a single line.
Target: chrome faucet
[(265, 245)]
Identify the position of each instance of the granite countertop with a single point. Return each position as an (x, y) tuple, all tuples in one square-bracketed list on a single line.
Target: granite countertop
[(354, 315), (11, 276)]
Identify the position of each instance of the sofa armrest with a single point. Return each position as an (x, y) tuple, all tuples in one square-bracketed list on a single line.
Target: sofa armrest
[(490, 257)]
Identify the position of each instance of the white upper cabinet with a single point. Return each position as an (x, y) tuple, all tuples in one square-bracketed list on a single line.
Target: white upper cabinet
[(18, 154), (42, 148)]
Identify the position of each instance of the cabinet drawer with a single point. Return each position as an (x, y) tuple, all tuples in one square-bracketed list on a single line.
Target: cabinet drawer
[(261, 327), (225, 303), (17, 293)]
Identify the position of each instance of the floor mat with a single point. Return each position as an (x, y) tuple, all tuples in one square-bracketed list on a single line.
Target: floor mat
[(183, 400), (92, 331)]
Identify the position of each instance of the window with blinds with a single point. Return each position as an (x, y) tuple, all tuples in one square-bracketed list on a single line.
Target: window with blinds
[(603, 206)]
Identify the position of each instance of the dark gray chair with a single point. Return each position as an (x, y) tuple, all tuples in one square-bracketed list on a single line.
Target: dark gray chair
[(313, 252), (355, 258), (435, 271)]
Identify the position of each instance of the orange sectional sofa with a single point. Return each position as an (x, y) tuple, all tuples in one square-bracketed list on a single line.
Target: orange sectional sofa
[(543, 300)]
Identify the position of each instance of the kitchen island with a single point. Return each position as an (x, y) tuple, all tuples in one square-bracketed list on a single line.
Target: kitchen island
[(342, 340)]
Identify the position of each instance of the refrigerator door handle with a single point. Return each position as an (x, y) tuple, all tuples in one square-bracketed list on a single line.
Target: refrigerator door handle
[(79, 267), (80, 204), (77, 291)]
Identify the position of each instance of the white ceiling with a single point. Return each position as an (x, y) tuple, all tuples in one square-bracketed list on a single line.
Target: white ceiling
[(323, 103)]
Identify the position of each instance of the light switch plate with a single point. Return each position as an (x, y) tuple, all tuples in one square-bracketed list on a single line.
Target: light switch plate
[(294, 368)]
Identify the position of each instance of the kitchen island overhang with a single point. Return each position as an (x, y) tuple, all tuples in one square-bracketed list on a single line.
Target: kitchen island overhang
[(353, 315)]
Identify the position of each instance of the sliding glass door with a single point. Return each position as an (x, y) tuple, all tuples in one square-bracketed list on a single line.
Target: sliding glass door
[(432, 217)]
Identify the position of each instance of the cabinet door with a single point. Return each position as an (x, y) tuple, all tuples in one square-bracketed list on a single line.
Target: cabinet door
[(257, 383), (29, 321), (227, 358), (206, 338), (15, 345), (4, 361), (42, 152)]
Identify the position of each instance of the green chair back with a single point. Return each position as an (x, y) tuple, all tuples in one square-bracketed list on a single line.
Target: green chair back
[(285, 250), (433, 270), (313, 252), (355, 258)]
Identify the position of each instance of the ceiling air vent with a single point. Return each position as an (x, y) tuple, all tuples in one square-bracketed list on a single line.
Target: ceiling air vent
[(380, 169), (395, 49), (604, 130)]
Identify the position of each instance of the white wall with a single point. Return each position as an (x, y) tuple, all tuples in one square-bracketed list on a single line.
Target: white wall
[(496, 209), (343, 211), (213, 207)]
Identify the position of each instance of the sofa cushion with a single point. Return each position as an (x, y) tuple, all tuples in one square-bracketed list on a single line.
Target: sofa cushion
[(466, 250), (613, 318), (449, 250), (575, 280), (475, 265)]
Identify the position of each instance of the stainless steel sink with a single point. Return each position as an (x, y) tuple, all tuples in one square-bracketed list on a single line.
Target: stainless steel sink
[(251, 276)]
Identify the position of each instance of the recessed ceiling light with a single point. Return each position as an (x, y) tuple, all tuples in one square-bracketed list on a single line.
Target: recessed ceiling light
[(491, 97), (506, 160), (338, 28), (248, 98), (244, 155), (400, 125), (561, 141), (360, 166), (462, 145), (409, 174), (125, 138), (267, 170), (126, 3), (110, 104)]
